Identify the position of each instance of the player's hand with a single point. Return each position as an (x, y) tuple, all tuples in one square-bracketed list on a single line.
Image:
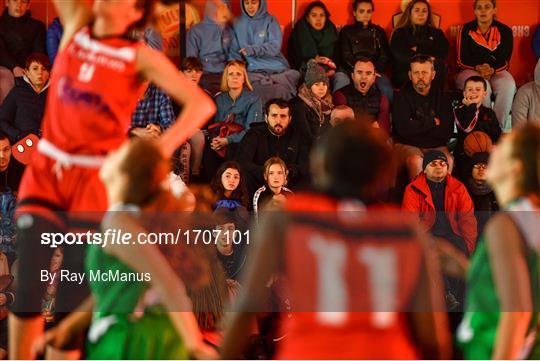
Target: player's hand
[(18, 71), (243, 51), (57, 337), (453, 262), (154, 129), (467, 101), (204, 352), (437, 121), (144, 133)]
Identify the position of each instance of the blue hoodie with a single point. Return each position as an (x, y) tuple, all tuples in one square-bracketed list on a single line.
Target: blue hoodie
[(210, 42), (247, 109), (261, 36)]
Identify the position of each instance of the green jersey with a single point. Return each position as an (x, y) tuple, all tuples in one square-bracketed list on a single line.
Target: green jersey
[(117, 331), (476, 334)]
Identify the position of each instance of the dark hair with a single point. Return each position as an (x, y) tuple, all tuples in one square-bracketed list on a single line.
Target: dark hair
[(4, 136), (147, 8), (422, 59), (191, 63), (240, 193), (356, 3), (40, 58), (526, 147), (281, 104), (363, 59), (356, 176), (316, 4), (140, 165), (405, 19), (494, 2), (475, 79)]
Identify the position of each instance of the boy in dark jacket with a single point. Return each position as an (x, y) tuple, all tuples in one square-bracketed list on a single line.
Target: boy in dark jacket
[(472, 116), (22, 111)]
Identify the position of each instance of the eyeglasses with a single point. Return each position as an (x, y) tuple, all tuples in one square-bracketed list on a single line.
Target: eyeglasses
[(438, 163), (480, 166)]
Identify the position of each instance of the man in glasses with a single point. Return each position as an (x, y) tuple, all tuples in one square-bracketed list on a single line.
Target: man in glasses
[(445, 208)]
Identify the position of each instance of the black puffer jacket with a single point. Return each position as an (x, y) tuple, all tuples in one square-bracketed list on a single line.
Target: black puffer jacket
[(22, 110), (355, 40), (19, 37)]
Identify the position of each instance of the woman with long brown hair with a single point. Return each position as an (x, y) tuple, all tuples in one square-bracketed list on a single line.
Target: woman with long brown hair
[(416, 33)]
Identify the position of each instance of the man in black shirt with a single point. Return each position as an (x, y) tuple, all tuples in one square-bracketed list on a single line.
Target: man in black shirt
[(275, 138), (422, 117)]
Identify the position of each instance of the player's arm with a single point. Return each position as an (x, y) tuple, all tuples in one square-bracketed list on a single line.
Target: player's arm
[(197, 106), (429, 317), (264, 261), (74, 14), (20, 340), (68, 329), (148, 259), (512, 283)]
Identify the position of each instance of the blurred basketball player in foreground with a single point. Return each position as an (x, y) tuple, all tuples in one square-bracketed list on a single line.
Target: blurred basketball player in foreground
[(95, 84), (351, 275)]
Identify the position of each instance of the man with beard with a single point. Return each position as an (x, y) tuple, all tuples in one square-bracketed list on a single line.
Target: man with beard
[(364, 96), (274, 138), (422, 117)]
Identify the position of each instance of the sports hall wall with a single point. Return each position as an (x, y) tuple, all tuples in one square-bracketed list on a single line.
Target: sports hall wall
[(522, 16)]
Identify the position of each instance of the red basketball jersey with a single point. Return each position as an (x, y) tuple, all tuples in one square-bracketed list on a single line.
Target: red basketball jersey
[(340, 267), (94, 90)]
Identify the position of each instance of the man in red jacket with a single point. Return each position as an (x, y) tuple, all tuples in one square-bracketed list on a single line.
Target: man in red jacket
[(444, 207)]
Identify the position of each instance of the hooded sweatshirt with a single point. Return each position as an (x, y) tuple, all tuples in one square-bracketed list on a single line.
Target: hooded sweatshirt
[(22, 111), (19, 37), (526, 106), (210, 42), (261, 36)]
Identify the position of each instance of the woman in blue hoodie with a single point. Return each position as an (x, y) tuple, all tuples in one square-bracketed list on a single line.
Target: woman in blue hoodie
[(257, 40), (209, 41), (237, 104)]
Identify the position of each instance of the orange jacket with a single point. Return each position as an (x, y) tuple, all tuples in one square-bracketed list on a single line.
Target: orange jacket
[(457, 203)]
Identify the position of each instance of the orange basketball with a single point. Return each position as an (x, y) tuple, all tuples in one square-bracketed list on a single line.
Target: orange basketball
[(477, 142)]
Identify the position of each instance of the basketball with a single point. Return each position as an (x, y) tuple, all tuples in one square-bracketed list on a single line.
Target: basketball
[(477, 142)]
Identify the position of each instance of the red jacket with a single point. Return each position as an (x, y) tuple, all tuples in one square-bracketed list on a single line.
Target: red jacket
[(457, 203)]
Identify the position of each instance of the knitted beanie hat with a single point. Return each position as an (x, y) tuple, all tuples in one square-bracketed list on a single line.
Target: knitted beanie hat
[(433, 155), (315, 74)]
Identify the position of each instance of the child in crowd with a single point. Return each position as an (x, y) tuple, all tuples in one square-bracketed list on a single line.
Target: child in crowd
[(229, 187), (274, 192), (472, 115)]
